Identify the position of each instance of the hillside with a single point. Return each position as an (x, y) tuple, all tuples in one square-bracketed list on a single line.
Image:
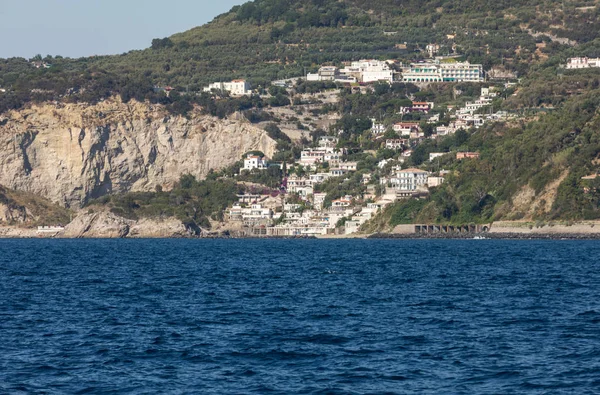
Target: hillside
[(29, 210), (134, 137), (530, 171), (285, 38)]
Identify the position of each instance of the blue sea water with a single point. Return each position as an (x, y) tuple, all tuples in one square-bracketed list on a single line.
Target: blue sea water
[(299, 317)]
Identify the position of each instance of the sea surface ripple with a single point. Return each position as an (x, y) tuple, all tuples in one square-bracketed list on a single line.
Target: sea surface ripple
[(299, 317)]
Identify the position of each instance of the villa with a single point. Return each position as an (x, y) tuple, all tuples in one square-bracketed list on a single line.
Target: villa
[(235, 87), (255, 162)]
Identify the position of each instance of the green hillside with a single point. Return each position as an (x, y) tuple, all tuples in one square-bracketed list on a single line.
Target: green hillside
[(270, 39), (528, 170)]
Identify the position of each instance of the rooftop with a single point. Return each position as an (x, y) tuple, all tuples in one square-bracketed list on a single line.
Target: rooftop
[(412, 170)]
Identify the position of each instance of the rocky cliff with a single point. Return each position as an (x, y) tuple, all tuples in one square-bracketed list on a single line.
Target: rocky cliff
[(70, 153), (108, 225), (11, 214)]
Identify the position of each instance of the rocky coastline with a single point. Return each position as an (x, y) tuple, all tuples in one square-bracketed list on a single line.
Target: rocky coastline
[(104, 224), (181, 233)]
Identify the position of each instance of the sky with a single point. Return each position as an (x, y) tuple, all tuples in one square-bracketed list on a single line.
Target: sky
[(76, 28)]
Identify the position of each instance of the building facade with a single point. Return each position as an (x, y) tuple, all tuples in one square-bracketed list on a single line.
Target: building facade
[(467, 155), (406, 128), (235, 87), (443, 72), (368, 71), (409, 179), (583, 63), (255, 162)]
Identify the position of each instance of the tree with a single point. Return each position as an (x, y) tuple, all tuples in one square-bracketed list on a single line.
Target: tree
[(419, 155), (428, 129), (159, 43), (390, 134), (461, 137), (381, 88)]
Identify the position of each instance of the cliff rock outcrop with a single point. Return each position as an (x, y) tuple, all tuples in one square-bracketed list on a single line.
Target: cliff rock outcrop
[(71, 153), (13, 214), (108, 225)]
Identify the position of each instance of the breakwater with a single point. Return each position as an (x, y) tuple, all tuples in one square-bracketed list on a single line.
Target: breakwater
[(487, 235)]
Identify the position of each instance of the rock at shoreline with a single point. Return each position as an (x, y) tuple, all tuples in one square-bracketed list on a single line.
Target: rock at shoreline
[(108, 225)]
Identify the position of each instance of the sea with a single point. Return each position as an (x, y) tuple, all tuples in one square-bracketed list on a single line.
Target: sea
[(299, 317)]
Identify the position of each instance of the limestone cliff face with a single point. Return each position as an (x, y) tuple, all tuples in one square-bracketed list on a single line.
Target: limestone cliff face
[(70, 153)]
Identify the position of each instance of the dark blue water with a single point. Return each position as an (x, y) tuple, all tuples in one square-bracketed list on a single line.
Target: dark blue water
[(299, 317)]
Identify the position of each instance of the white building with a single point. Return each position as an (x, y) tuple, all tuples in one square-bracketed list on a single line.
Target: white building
[(443, 72), (583, 63), (434, 119), (409, 179), (476, 120), (344, 202), (235, 87), (488, 93), (50, 229), (377, 128), (249, 198), (255, 162), (318, 178), (432, 49), (325, 153), (350, 166), (434, 155), (312, 157), (370, 71), (435, 181), (332, 158), (318, 200), (254, 213), (300, 185), (396, 144), (422, 72), (445, 130), (361, 217), (325, 73), (406, 128), (366, 178), (328, 141), (461, 71), (338, 172), (485, 99)]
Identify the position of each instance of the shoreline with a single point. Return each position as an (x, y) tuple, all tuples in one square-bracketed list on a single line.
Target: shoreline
[(374, 236), (501, 230)]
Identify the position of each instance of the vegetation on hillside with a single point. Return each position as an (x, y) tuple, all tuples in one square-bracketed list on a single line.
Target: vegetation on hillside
[(191, 201), (266, 40), (31, 210), (563, 145)]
